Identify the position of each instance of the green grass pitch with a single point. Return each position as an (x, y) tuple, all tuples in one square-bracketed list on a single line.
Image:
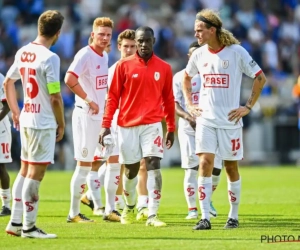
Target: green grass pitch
[(270, 205)]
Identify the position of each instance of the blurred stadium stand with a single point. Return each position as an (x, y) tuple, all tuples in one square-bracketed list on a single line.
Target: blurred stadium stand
[(268, 29)]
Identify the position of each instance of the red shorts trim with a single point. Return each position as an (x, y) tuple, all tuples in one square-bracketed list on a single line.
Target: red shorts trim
[(36, 163)]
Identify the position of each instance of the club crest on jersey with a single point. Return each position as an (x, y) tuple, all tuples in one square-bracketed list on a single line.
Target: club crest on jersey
[(156, 76), (225, 64), (84, 152)]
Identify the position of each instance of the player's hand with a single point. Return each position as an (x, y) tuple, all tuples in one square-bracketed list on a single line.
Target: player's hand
[(169, 139), (59, 133), (194, 110), (94, 108), (192, 121), (16, 120), (238, 113), (104, 132)]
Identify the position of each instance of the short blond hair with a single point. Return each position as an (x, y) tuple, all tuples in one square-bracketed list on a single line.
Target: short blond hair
[(103, 22), (126, 34), (224, 36)]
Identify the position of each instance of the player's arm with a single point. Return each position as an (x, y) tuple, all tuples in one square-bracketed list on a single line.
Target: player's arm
[(71, 79), (169, 108), (11, 98), (5, 110), (190, 71), (258, 84), (52, 69), (113, 95), (168, 101)]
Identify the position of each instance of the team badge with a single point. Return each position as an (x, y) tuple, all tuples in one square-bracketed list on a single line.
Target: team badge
[(156, 76), (84, 152), (225, 64)]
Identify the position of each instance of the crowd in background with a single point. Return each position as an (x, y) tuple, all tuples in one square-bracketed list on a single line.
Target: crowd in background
[(269, 32)]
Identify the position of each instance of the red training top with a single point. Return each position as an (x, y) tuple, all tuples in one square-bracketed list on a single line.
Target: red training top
[(145, 93)]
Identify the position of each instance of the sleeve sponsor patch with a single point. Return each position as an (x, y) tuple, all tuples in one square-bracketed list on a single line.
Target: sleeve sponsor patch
[(252, 63)]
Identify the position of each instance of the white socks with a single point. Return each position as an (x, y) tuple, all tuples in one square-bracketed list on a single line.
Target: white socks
[(234, 193), (94, 191), (129, 190), (142, 201), (111, 183), (5, 197), (190, 186), (215, 181), (30, 197), (77, 188), (204, 194), (17, 204), (119, 202), (154, 185)]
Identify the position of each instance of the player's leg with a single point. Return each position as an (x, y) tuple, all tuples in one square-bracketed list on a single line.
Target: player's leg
[(4, 191), (5, 157), (142, 191), (85, 134), (41, 145), (206, 146), (94, 177), (94, 190), (231, 150), (190, 164), (152, 147), (14, 226), (130, 156), (111, 183), (216, 174), (119, 200)]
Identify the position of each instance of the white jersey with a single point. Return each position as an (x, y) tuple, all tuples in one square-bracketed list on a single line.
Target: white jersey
[(179, 98), (5, 121), (111, 72), (91, 69), (221, 76), (38, 68)]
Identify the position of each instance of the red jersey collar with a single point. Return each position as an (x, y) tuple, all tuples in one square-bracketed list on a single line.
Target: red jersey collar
[(140, 58), (215, 51), (95, 51)]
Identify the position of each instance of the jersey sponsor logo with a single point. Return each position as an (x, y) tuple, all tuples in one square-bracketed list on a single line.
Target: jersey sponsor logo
[(156, 76), (101, 82), (252, 63), (28, 57), (216, 80), (225, 64)]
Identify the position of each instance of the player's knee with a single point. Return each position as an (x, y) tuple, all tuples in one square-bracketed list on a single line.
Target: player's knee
[(216, 171), (205, 163), (152, 163), (231, 167), (131, 170)]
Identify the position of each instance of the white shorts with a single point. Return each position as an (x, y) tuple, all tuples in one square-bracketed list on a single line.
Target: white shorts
[(189, 159), (229, 142), (37, 145), (140, 141), (218, 163), (85, 135), (5, 142)]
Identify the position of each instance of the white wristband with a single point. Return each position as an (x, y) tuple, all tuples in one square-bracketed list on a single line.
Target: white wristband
[(88, 100)]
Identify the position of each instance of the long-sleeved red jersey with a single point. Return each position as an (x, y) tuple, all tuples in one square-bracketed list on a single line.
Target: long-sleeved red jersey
[(144, 91)]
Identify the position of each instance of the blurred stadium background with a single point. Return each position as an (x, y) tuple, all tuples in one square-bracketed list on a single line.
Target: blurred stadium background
[(268, 29)]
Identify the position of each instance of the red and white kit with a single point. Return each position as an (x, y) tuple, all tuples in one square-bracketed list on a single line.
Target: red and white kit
[(221, 76), (92, 72), (37, 66)]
